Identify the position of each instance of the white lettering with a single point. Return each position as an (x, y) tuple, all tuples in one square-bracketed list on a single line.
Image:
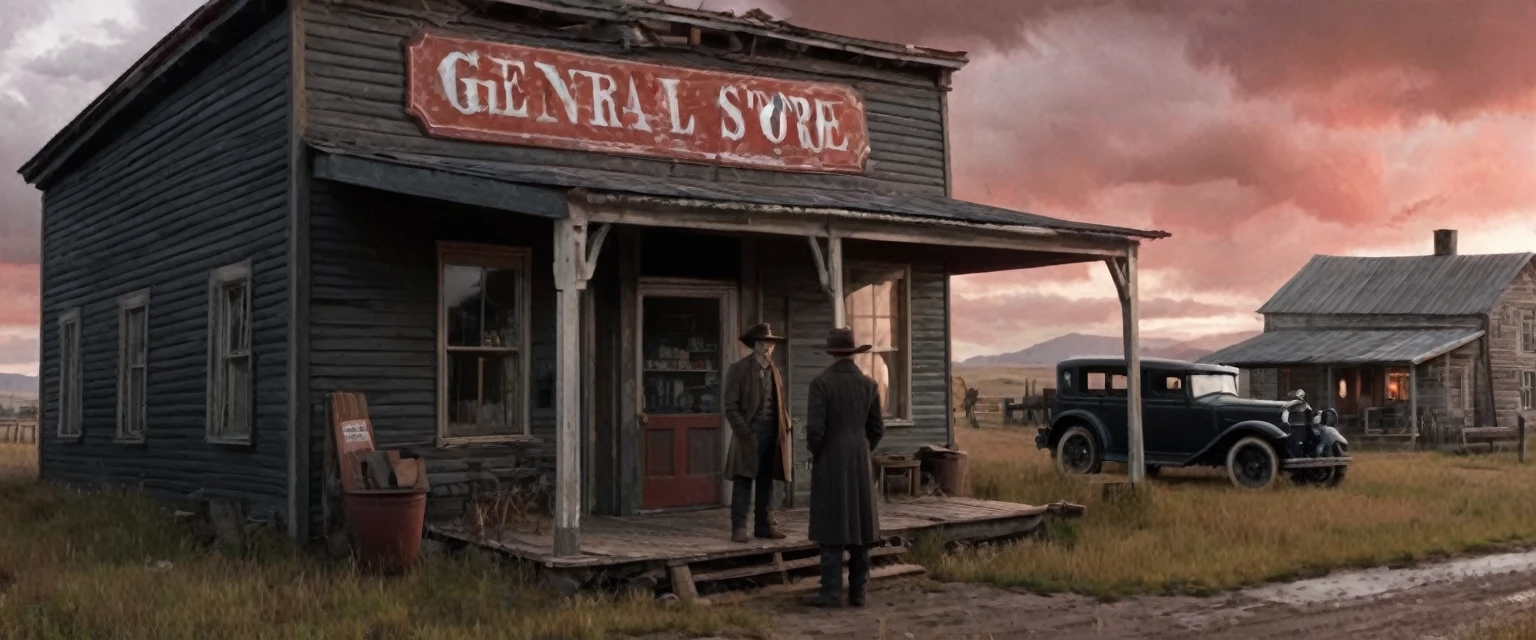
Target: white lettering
[(603, 109), (510, 80), (562, 91), (447, 72), (827, 126), (633, 108), (732, 127), (802, 117), (670, 84), (774, 120)]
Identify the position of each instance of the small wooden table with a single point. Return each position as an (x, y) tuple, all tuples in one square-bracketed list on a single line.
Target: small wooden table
[(911, 467)]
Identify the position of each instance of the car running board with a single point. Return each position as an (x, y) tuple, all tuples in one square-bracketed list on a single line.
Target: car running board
[(1314, 463)]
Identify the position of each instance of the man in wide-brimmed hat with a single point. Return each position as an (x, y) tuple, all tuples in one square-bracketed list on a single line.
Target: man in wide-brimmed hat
[(843, 425), (760, 438)]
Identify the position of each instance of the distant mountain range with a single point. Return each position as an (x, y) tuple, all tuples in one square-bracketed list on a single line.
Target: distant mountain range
[(17, 383), (1050, 352)]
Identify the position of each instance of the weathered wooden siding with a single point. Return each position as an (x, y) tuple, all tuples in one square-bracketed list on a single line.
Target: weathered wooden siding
[(356, 95), (1504, 345), (792, 283), (373, 327), (196, 183), (1278, 322)]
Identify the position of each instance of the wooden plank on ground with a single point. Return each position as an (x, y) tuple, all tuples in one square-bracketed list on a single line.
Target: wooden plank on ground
[(809, 584)]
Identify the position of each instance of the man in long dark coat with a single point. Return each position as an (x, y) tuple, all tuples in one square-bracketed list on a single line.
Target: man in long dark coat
[(760, 435), (843, 425)]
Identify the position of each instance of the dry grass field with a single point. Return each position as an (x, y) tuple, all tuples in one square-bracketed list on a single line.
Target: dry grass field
[(17, 462), (1194, 533), (1004, 382), (114, 566)]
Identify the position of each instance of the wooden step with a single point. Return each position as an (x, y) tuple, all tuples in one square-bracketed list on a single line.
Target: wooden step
[(779, 565), (812, 583)]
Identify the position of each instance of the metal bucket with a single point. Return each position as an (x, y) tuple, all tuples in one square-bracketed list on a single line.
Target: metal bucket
[(386, 528)]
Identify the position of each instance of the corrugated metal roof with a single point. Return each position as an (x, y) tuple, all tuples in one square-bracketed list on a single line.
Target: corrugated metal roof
[(1408, 285), (913, 205), (1342, 347)]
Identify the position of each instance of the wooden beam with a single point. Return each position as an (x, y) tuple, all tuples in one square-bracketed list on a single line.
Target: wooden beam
[(821, 265), (299, 463), (852, 225), (1130, 317), (835, 275), (570, 266), (1493, 407), (442, 185), (1413, 401), (1327, 399)]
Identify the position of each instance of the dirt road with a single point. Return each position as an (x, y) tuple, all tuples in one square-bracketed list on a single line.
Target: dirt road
[(1433, 601)]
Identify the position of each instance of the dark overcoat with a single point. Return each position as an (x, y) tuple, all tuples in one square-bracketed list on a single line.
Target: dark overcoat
[(743, 399), (843, 425)]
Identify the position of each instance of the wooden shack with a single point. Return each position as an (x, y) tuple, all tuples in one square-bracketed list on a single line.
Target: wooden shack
[(529, 231), (1415, 348)]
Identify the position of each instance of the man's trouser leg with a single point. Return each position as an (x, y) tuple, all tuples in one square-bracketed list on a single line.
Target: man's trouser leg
[(767, 433), (858, 573), (831, 572)]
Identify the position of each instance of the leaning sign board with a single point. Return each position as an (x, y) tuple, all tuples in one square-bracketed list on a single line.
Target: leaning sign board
[(504, 93)]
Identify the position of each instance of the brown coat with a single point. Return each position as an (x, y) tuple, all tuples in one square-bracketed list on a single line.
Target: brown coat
[(743, 399), (843, 425)]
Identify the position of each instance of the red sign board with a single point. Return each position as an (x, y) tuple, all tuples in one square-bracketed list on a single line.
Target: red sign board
[(493, 92)]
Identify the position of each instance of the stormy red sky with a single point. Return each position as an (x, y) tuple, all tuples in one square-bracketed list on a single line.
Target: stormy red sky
[(1258, 132)]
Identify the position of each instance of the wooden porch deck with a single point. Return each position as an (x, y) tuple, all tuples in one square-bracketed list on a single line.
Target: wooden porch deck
[(685, 537)]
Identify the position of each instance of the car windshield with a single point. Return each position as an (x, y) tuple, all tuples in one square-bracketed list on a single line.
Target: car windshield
[(1204, 384)]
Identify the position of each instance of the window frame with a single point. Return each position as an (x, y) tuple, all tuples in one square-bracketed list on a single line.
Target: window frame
[(71, 405), (218, 281), (902, 324), (137, 300), (1527, 390), (1525, 323), (494, 256)]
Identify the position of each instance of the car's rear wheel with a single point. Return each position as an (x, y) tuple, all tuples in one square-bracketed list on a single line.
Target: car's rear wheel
[(1252, 464), (1077, 452)]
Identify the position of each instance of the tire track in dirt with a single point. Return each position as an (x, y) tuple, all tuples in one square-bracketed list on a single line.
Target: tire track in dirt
[(1433, 601)]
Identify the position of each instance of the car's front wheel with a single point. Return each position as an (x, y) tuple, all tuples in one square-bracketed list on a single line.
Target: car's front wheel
[(1077, 452), (1252, 464)]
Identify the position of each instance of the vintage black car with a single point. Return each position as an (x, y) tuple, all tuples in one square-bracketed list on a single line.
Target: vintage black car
[(1191, 416)]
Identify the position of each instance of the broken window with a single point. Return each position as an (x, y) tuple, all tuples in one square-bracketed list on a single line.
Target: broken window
[(231, 382), (876, 309), (1398, 385), (132, 365)]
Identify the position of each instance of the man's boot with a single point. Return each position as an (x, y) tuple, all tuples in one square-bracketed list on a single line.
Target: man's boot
[(739, 534), (831, 592), (858, 575)]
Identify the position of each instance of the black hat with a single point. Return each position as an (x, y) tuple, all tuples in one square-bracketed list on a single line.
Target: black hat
[(840, 343), (760, 333)]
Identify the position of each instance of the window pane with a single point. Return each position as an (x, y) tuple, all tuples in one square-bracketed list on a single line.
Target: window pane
[(136, 335), (883, 337), (133, 420), (503, 320), (1096, 381), (237, 397), (485, 394), (861, 302), (885, 379), (884, 304), (235, 317)]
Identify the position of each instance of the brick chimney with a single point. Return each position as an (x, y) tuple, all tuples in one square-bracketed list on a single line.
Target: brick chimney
[(1445, 242)]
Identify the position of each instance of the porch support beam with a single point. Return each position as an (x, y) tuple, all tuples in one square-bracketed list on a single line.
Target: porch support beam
[(574, 265), (830, 271), (851, 225), (1123, 271), (1413, 400)]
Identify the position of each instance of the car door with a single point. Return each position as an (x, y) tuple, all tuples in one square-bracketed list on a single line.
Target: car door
[(1107, 388), (1165, 416)]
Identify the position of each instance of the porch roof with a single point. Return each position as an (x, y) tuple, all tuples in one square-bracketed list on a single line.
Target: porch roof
[(540, 191), (1343, 347)]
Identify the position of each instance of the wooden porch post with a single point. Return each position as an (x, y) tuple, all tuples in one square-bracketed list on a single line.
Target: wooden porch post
[(1328, 388), (1413, 400), (573, 268), (1123, 271), (830, 271)]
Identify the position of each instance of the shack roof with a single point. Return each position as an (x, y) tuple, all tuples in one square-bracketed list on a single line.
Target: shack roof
[(1293, 347), (218, 24), (913, 206), (1409, 285)]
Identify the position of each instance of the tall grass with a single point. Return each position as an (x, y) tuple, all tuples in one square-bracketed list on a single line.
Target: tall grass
[(18, 462), (114, 566), (1195, 533)]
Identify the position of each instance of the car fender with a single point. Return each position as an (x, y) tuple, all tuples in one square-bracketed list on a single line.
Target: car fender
[(1094, 424), (1325, 443), (1232, 433)]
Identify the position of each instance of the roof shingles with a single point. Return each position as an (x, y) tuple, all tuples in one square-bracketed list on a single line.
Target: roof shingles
[(1408, 285)]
